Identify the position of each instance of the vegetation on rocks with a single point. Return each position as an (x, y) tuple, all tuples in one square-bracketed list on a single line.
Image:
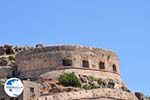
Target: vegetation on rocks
[(90, 86), (11, 58), (85, 82), (69, 79), (91, 78), (1, 82), (101, 82)]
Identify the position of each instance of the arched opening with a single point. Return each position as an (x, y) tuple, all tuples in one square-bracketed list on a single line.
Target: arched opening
[(31, 90), (108, 58), (114, 68), (85, 63), (101, 65), (67, 62)]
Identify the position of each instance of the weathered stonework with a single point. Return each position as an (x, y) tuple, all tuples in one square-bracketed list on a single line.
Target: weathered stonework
[(35, 62), (5, 72), (96, 94), (50, 62), (45, 64)]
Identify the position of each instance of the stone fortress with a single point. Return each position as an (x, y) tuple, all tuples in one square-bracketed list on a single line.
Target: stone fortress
[(49, 62), (99, 63)]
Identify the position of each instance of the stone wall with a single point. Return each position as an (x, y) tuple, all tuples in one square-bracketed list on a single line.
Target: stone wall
[(95, 94), (53, 74), (45, 59), (31, 90), (5, 72), (97, 74)]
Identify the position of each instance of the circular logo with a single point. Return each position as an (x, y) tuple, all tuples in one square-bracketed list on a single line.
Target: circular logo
[(13, 87)]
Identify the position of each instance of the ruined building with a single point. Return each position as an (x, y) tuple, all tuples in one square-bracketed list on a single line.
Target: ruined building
[(48, 63), (39, 62)]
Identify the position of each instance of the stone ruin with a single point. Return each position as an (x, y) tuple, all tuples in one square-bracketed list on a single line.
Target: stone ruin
[(44, 64)]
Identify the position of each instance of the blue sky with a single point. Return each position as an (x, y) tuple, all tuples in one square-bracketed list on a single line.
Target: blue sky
[(120, 25)]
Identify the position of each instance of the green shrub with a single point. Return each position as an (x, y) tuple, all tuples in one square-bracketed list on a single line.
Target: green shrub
[(69, 79), (12, 58), (93, 86), (100, 81), (1, 83), (91, 78), (89, 86), (86, 86)]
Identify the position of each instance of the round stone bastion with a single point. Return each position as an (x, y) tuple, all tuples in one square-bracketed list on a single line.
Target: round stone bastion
[(51, 61)]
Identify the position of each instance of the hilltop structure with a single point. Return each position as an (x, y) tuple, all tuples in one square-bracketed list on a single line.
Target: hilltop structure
[(44, 65), (39, 62)]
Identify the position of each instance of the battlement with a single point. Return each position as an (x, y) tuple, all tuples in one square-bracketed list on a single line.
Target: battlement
[(77, 48)]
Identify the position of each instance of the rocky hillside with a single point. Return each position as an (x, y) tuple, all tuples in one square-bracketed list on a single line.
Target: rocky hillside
[(8, 52), (7, 58)]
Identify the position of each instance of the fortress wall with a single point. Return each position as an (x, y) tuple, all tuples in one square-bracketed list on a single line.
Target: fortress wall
[(102, 94), (52, 57), (95, 73), (53, 74)]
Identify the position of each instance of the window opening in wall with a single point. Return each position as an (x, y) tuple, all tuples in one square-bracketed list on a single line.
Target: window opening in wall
[(108, 58), (85, 63), (102, 55), (93, 66), (31, 90), (101, 65), (114, 68), (67, 62)]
